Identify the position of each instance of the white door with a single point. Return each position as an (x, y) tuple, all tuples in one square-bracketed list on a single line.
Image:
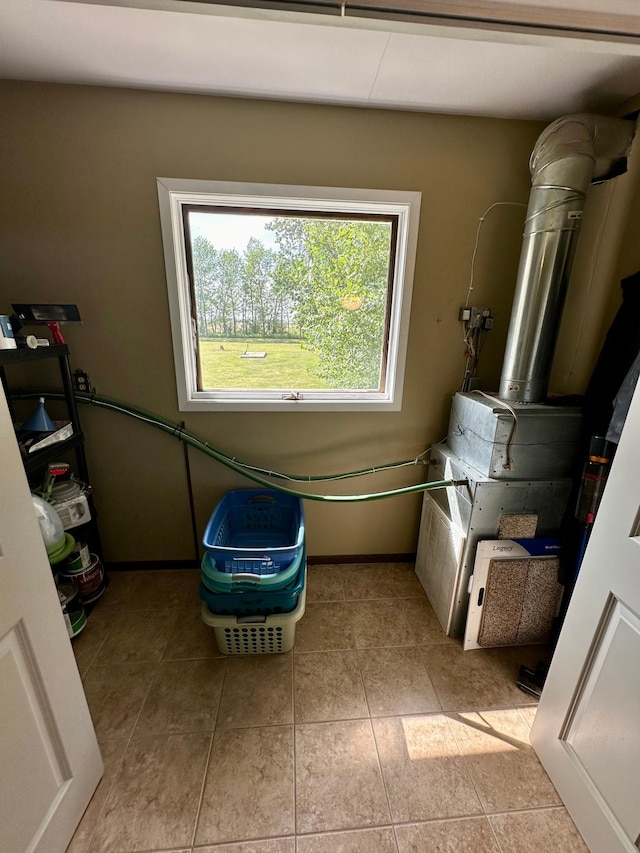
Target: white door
[(50, 763), (587, 729)]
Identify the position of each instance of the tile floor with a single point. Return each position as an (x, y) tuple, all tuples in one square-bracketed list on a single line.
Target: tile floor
[(377, 734)]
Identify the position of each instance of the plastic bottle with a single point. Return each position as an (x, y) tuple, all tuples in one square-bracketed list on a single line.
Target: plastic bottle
[(594, 477)]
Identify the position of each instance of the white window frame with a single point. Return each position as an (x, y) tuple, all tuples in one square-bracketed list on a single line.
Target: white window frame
[(174, 193)]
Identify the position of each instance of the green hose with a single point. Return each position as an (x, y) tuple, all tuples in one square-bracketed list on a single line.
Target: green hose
[(231, 462)]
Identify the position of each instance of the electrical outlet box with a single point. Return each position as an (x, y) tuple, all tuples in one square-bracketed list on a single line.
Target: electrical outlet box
[(478, 316), (82, 382), (475, 318)]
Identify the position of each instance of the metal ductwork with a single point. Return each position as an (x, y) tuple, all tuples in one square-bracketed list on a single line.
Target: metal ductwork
[(570, 154)]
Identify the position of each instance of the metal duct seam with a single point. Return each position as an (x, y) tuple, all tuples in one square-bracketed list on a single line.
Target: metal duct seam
[(570, 154)]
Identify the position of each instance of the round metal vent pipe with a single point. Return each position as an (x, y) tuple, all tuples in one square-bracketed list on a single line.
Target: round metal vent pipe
[(571, 153)]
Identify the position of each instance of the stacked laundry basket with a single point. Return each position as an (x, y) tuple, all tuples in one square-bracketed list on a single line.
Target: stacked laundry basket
[(254, 568)]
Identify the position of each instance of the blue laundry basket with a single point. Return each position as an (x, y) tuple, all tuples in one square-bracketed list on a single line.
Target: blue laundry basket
[(256, 531), (259, 600), (218, 581)]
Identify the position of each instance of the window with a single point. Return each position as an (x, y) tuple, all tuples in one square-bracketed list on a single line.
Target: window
[(285, 297)]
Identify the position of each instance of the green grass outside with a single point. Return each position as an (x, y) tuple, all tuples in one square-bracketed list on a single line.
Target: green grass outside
[(286, 365)]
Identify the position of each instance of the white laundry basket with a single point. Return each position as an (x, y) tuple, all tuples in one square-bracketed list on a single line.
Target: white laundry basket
[(255, 635)]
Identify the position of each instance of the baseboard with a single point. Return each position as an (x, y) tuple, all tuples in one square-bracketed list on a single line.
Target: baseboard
[(150, 565), (360, 558)]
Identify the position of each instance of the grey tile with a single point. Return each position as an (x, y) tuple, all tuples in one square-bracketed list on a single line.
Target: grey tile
[(249, 791), (380, 580), (423, 622), (396, 682), (425, 774), (184, 697), (119, 589), (505, 664), (328, 686), (325, 627), (265, 845), (257, 691), (504, 768), (112, 752), (153, 803), (324, 583), (139, 636), (190, 638), (115, 694), (341, 801), (447, 836), (164, 590), (472, 679), (538, 831), (338, 781), (379, 623), (89, 641), (528, 715), (380, 840)]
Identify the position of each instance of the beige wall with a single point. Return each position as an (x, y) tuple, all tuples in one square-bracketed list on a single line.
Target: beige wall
[(79, 223)]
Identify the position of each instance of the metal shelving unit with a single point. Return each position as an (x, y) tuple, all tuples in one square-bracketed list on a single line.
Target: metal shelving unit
[(38, 460)]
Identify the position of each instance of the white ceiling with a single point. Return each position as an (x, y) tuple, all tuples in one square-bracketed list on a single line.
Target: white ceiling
[(508, 71)]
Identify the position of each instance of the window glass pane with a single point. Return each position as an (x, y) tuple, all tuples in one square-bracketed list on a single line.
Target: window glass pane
[(291, 302)]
